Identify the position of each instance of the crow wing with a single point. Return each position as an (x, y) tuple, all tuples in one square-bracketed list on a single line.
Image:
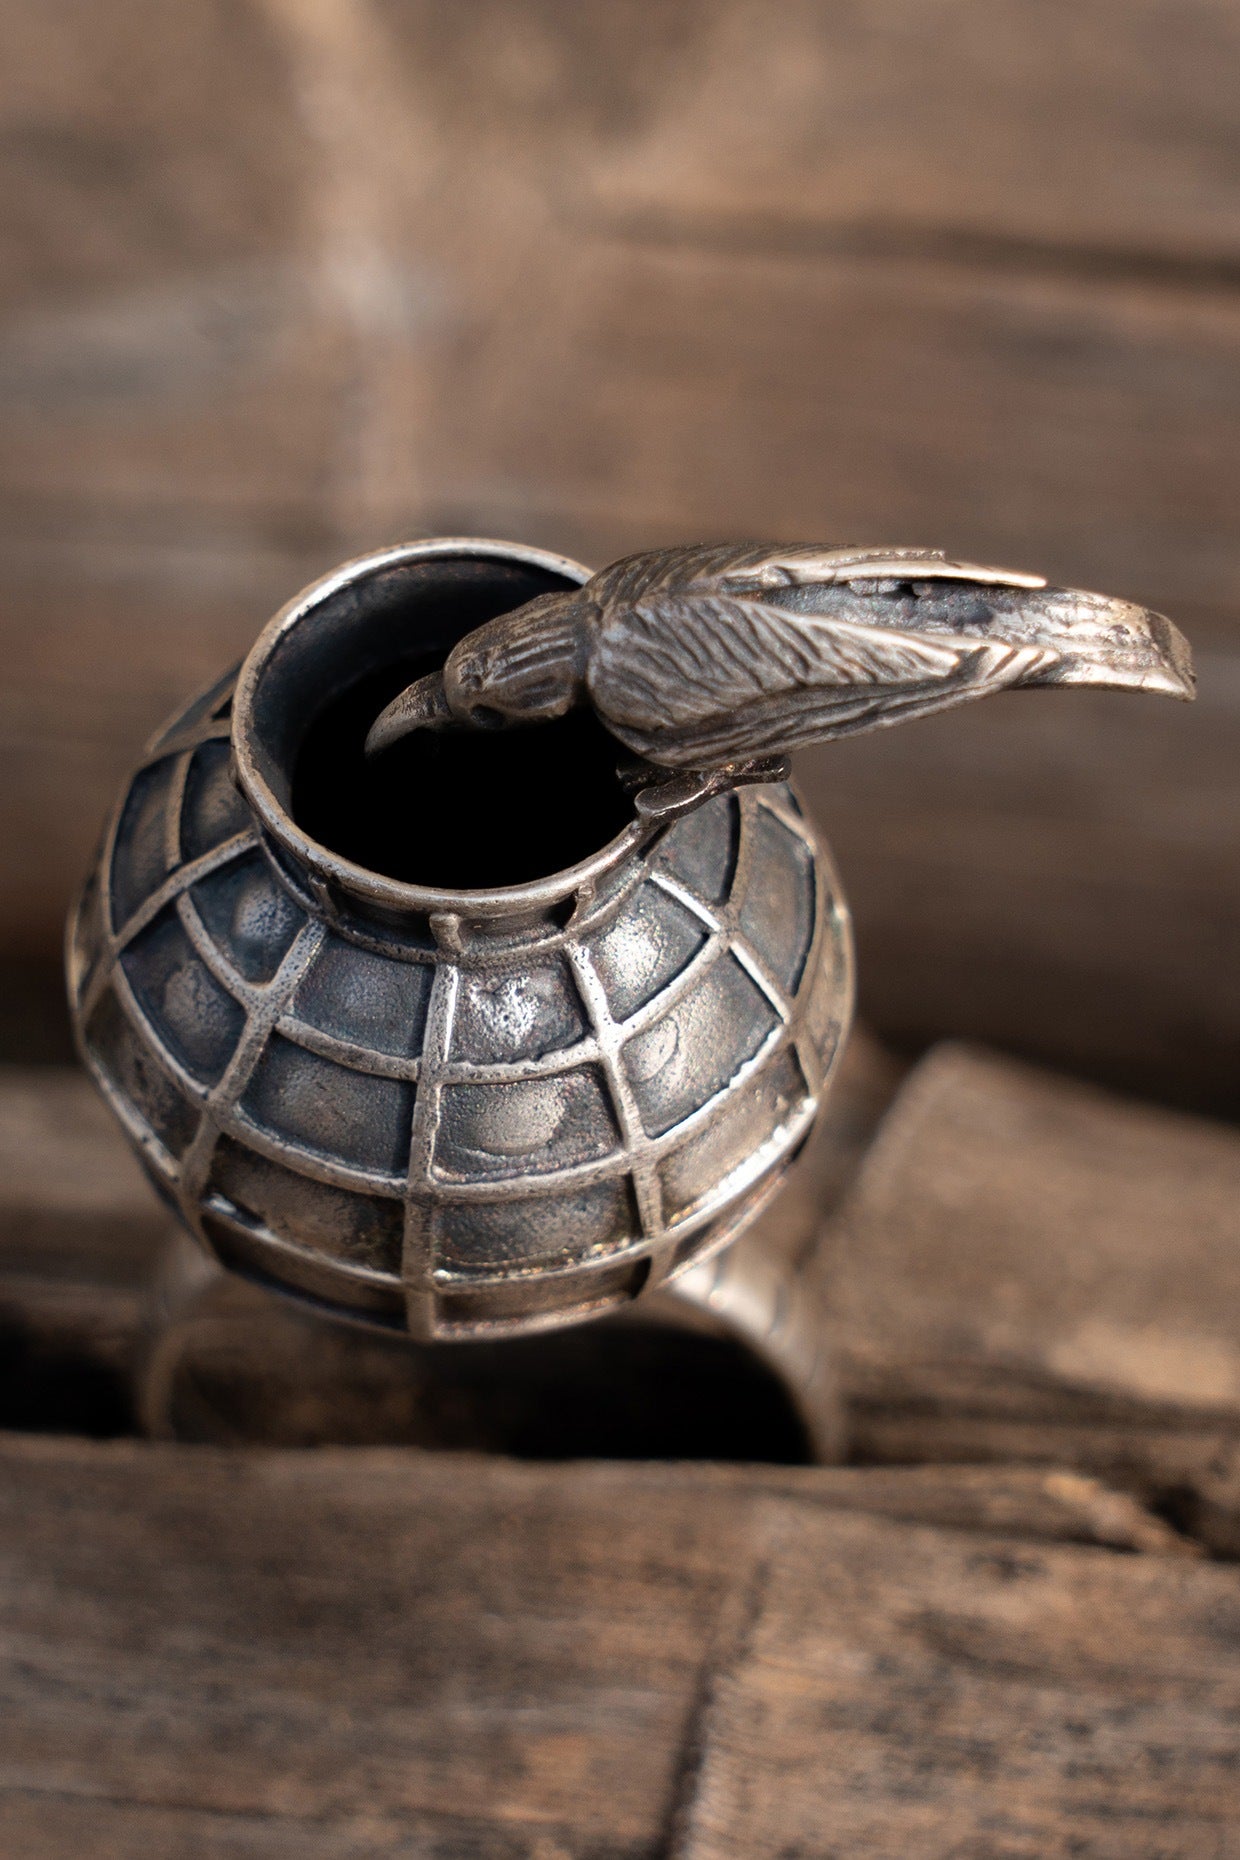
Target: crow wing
[(754, 567), (708, 655)]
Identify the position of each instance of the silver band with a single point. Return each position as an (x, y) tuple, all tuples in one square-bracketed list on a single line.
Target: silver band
[(748, 1294), (202, 1319)]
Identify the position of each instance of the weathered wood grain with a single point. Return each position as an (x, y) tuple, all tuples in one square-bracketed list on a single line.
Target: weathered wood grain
[(1084, 428), (1046, 1504), (481, 269), (1052, 878), (142, 144), (1012, 1223), (370, 230), (328, 1647), (735, 270), (337, 1653), (1030, 1269), (1096, 126), (899, 1691), (160, 353), (73, 1201), (1191, 1473)]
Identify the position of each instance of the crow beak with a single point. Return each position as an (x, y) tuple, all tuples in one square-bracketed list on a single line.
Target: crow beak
[(421, 706)]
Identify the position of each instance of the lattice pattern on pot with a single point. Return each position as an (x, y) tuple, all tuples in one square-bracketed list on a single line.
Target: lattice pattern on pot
[(373, 1131)]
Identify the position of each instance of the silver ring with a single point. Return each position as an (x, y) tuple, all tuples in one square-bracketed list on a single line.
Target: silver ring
[(485, 1041), (455, 1112), (204, 1325)]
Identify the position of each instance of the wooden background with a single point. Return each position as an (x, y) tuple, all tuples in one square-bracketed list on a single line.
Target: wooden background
[(284, 279), (281, 279)]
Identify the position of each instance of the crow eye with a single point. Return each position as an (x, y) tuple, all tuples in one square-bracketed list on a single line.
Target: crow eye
[(486, 717)]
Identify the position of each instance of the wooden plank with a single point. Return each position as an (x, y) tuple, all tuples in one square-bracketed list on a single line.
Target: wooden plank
[(74, 1203), (255, 393), (311, 1645), (1047, 1504), (1011, 1224), (1098, 125), (1010, 868), (894, 1690), (1079, 427), (157, 352), (383, 1652), (1094, 126), (1052, 878), (1191, 1473), (160, 421), (139, 144), (1029, 1269), (248, 342)]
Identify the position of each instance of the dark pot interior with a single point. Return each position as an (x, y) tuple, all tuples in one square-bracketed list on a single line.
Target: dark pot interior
[(461, 810)]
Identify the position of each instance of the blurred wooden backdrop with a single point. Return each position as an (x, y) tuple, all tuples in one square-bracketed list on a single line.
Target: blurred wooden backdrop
[(281, 279)]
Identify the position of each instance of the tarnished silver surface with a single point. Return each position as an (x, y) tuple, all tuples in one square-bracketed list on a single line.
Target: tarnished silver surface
[(748, 1293), (752, 1295), (461, 1112), (716, 654), (456, 1114)]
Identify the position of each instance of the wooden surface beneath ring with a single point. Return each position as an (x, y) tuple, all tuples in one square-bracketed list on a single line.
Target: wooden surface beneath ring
[(375, 1652), (248, 1650)]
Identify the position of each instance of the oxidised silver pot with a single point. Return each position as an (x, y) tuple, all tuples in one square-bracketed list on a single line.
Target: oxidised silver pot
[(443, 1110)]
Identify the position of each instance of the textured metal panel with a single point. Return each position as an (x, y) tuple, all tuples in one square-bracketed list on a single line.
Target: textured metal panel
[(461, 1125)]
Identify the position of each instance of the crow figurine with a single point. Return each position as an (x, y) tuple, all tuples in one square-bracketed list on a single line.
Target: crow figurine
[(724, 657)]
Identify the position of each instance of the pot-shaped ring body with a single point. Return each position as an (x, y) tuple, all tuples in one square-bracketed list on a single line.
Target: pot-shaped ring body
[(452, 1113)]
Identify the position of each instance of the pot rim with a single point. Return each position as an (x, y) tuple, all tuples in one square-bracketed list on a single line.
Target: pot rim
[(371, 887)]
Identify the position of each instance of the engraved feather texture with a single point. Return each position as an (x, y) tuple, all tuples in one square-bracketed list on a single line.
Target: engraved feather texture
[(527, 654), (713, 654)]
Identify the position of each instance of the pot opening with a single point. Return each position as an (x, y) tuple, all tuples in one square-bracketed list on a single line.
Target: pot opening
[(462, 809), (467, 810)]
